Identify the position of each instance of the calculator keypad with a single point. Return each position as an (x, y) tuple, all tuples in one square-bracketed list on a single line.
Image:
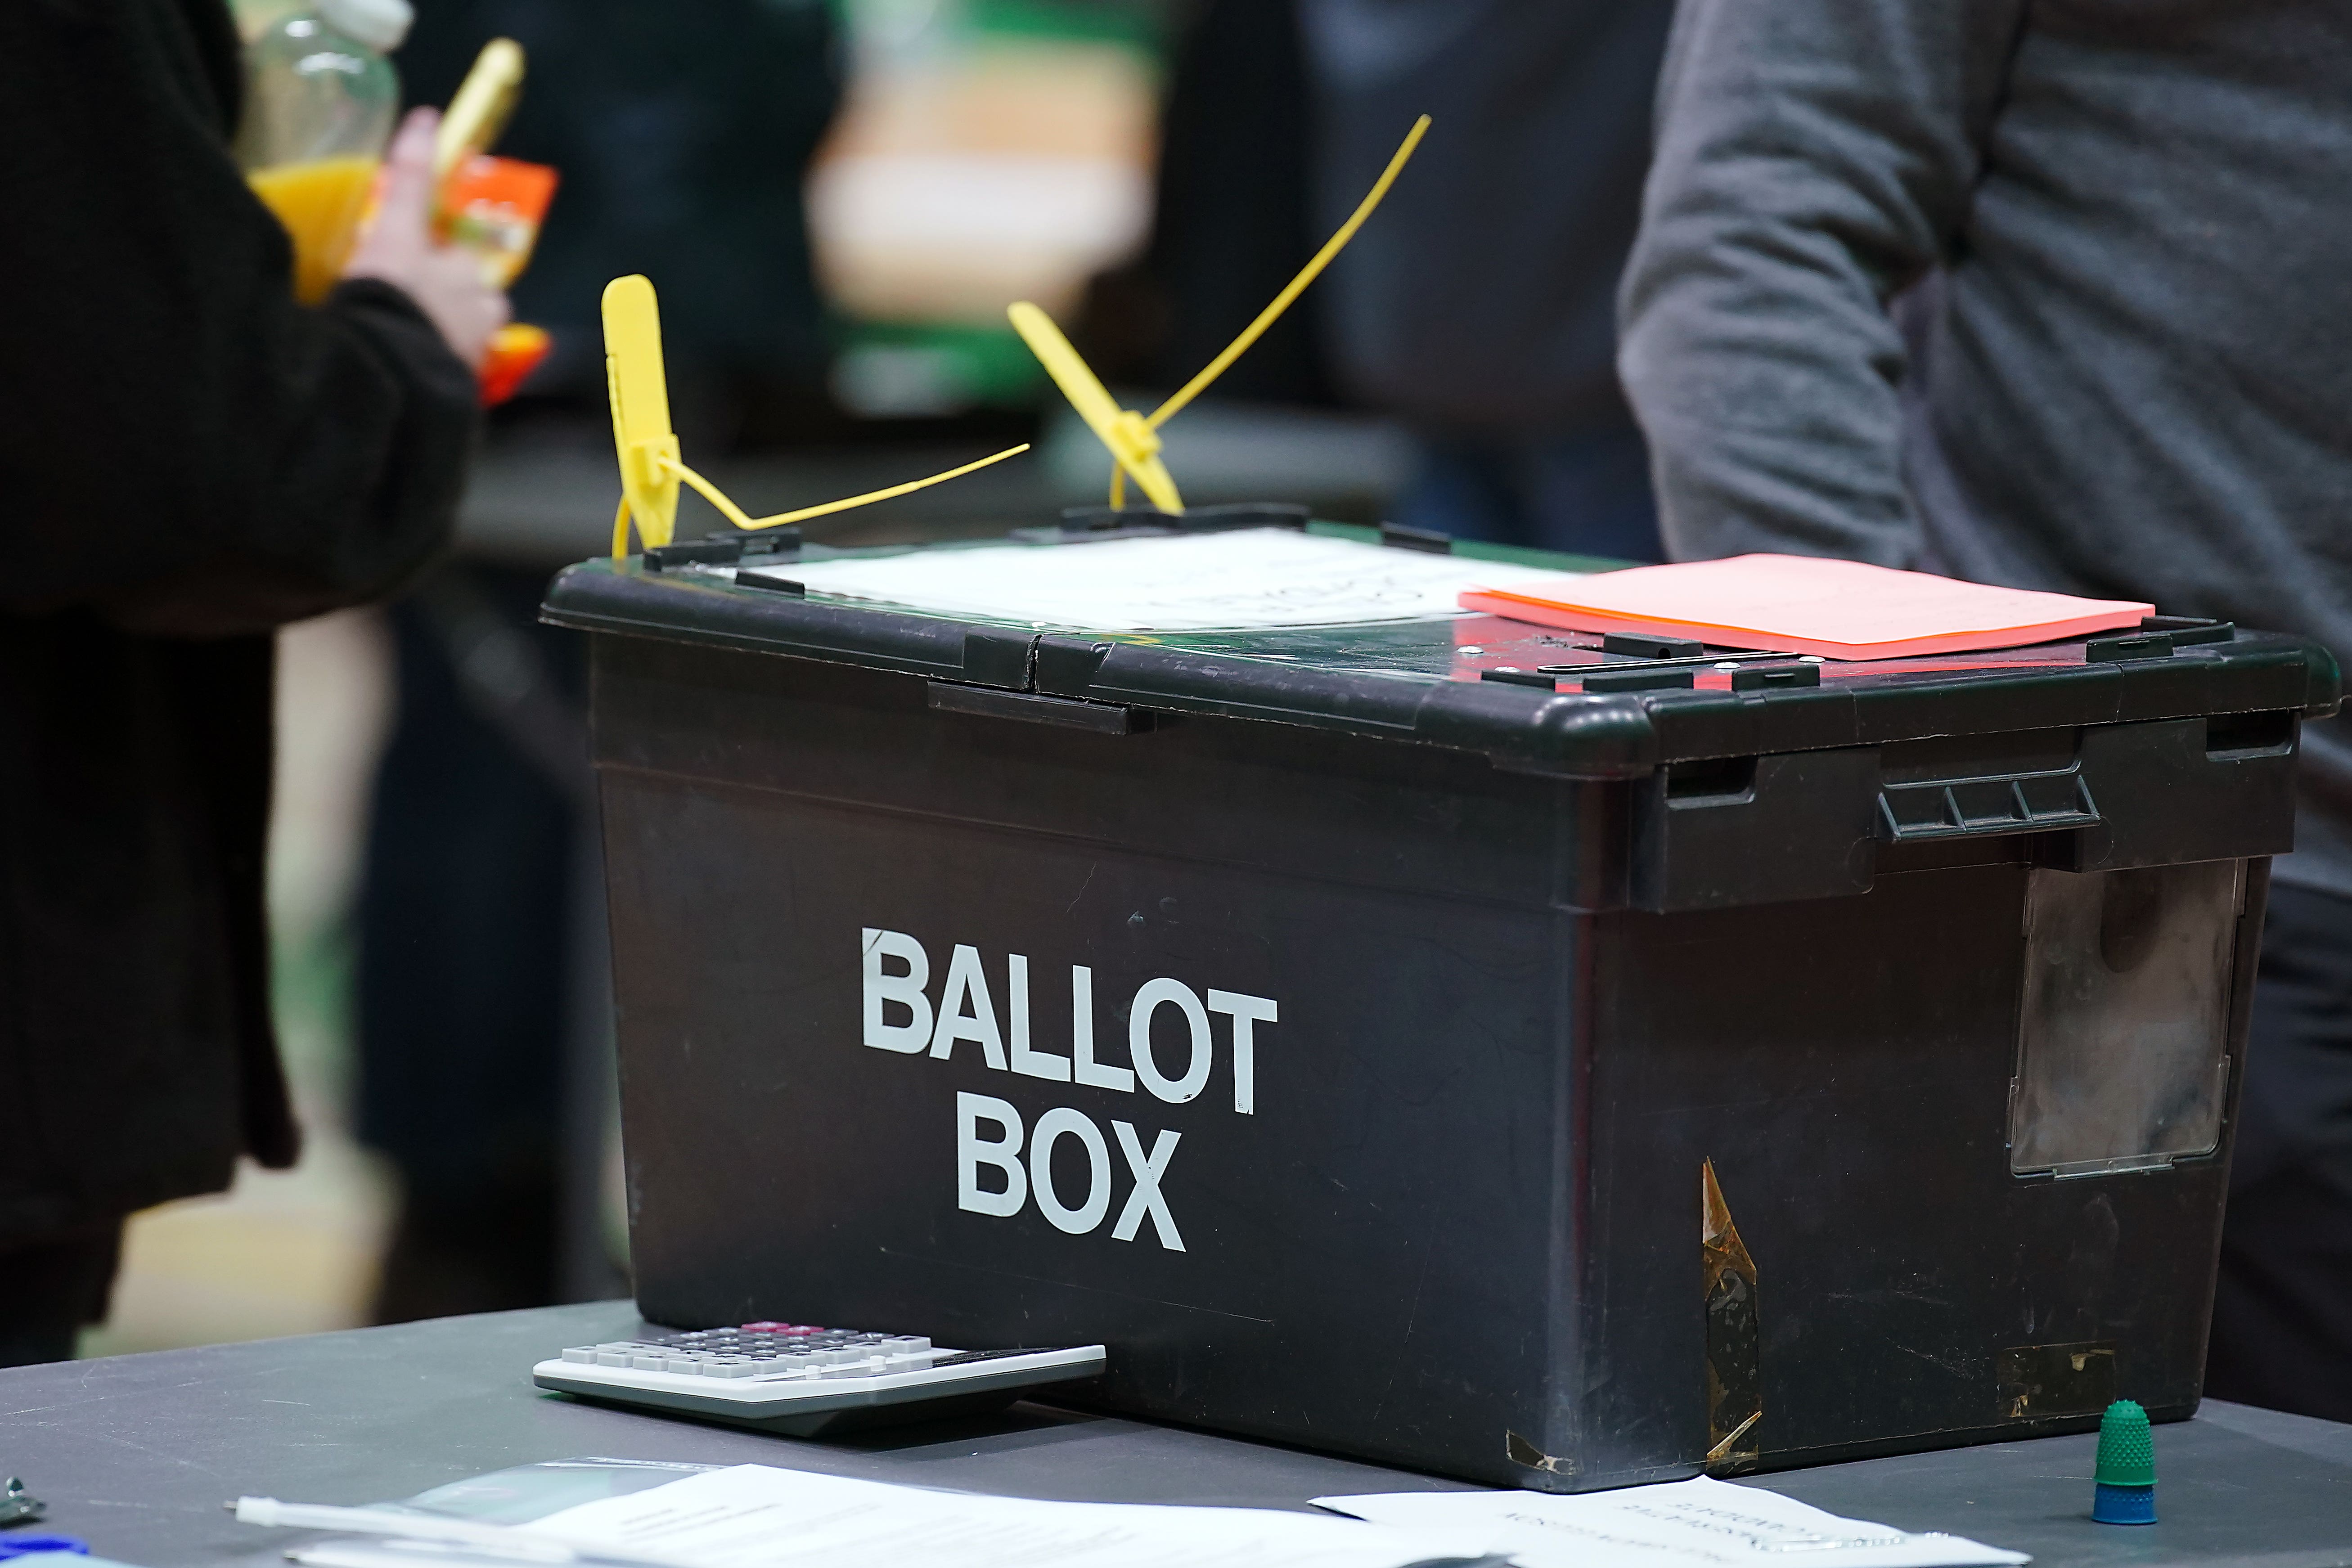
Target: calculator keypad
[(765, 1349)]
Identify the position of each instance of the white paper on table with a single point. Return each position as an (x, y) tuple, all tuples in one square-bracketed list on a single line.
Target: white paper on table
[(1195, 581), (349, 1552), (756, 1516), (1676, 1525)]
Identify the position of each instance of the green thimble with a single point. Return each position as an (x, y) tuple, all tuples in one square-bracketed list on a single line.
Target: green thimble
[(2127, 1451)]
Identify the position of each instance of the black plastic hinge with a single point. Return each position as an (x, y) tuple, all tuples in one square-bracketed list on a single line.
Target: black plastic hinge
[(693, 553), (1633, 646), (1003, 660), (1776, 678), (1064, 666), (1601, 680), (1521, 678), (2130, 645), (1243, 514), (1423, 539), (725, 548), (2188, 631), (783, 539), (771, 582), (1095, 522)]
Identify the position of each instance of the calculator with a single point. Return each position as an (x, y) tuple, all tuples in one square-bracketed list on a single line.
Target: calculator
[(804, 1381)]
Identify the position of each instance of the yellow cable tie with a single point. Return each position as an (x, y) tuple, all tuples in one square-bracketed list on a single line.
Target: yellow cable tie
[(710, 493), (639, 394), (1298, 285), (620, 532), (1129, 436), (1133, 438), (735, 514), (1133, 443)]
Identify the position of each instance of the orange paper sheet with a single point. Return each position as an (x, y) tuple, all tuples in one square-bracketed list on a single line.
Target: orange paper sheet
[(1804, 604)]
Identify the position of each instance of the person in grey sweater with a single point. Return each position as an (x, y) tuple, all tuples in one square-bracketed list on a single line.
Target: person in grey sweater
[(2049, 296)]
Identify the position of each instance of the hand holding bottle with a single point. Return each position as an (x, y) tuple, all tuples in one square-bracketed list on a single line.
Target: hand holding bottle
[(446, 280)]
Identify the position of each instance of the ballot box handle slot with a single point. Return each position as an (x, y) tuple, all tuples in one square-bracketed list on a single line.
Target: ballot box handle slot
[(1711, 781), (2231, 737), (1986, 806)]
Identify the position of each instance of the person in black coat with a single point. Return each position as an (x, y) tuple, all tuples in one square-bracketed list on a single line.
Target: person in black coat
[(1479, 309), (189, 460)]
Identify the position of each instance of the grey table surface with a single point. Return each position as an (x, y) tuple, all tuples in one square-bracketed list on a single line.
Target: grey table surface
[(136, 1453)]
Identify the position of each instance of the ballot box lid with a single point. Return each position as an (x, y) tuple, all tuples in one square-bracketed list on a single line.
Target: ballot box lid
[(1530, 697)]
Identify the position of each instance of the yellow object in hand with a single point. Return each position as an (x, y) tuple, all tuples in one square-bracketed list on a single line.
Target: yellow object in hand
[(485, 102), (320, 203)]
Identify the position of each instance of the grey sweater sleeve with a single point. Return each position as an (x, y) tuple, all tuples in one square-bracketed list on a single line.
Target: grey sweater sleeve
[(1814, 158)]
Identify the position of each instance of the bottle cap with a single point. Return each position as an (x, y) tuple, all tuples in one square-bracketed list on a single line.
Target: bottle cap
[(2127, 1451), (380, 25)]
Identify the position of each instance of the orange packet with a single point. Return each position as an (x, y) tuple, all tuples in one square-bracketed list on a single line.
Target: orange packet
[(494, 207), (516, 350)]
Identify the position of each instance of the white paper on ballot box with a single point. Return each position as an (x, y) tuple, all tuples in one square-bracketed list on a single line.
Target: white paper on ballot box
[(755, 1516), (1677, 1524), (1197, 581)]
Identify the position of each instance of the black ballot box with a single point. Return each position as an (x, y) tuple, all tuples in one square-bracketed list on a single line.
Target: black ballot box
[(1445, 1040)]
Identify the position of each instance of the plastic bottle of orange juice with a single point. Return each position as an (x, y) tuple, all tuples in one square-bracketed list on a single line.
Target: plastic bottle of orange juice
[(321, 99)]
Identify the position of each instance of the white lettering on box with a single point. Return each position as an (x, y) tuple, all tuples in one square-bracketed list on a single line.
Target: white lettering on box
[(1028, 1063), (1155, 995), (1002, 1155), (907, 989), (1147, 1170), (1082, 1035), (1244, 1011), (1063, 1122), (1018, 1156), (967, 990)]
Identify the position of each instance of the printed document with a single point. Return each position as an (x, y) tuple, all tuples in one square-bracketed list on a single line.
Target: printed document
[(754, 1516), (1677, 1524), (1195, 581)]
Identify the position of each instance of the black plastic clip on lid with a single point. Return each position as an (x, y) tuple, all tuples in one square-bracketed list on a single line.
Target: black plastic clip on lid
[(1081, 522), (2188, 631), (1603, 680), (1631, 646), (1427, 540), (2128, 645), (725, 548), (773, 581), (1777, 677)]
